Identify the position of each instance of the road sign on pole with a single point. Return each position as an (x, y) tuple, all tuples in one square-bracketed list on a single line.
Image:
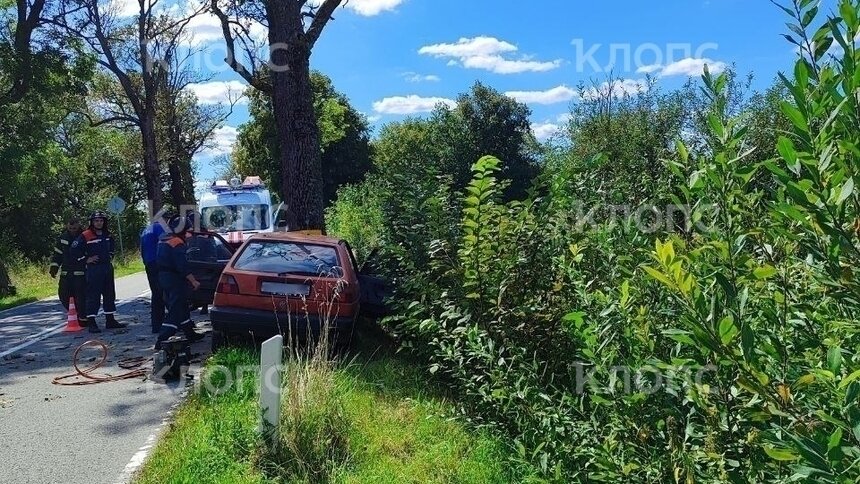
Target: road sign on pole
[(116, 205)]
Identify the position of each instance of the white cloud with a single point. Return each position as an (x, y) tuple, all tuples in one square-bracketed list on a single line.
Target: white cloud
[(366, 8), (413, 77), (618, 88), (486, 53), (545, 131), (219, 91), (371, 118), (221, 143), (124, 8), (689, 67), (500, 65), (410, 104), (369, 8), (649, 69), (204, 28), (465, 47), (692, 67), (557, 94)]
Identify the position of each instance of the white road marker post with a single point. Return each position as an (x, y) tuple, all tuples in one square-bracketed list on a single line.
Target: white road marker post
[(271, 359)]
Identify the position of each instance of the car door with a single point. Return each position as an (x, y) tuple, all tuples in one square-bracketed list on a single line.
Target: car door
[(374, 290), (208, 254)]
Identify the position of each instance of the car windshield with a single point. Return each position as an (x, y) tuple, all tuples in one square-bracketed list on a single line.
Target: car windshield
[(283, 258), (229, 218)]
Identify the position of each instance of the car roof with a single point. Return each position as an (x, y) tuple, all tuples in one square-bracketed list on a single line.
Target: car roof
[(296, 237)]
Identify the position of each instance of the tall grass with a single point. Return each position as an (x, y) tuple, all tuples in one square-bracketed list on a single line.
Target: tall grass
[(371, 418), (311, 440)]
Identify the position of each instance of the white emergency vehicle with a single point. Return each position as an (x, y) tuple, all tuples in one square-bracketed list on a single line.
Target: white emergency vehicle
[(237, 209)]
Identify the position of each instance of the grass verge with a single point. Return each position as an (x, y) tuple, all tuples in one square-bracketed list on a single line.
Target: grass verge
[(33, 282), (374, 419)]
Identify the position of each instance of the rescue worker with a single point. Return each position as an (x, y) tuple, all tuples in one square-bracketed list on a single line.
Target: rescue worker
[(149, 239), (174, 276), (202, 249), (95, 247), (73, 282)]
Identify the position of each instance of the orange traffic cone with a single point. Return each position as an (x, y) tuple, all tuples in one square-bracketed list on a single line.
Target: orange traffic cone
[(73, 324)]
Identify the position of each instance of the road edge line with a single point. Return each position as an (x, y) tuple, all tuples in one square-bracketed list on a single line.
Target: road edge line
[(139, 458), (45, 334)]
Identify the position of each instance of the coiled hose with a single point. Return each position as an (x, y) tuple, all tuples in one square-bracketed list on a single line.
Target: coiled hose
[(86, 376)]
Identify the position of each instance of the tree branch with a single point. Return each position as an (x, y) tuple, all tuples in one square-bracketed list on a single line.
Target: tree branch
[(231, 60), (22, 50), (321, 18)]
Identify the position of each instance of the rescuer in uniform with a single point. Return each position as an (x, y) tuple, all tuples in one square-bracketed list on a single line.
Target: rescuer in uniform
[(149, 239), (174, 276), (95, 247), (73, 282)]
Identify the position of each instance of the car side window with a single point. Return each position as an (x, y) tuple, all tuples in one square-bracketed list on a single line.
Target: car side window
[(207, 248)]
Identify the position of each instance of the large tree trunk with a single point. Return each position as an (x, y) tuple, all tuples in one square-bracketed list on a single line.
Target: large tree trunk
[(295, 120), (146, 115), (151, 170), (181, 183)]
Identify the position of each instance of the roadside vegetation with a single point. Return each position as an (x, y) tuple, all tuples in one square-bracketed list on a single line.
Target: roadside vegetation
[(33, 282), (369, 418), (666, 291), (674, 300)]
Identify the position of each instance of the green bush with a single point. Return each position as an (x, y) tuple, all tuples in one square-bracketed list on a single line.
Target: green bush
[(356, 217), (554, 331)]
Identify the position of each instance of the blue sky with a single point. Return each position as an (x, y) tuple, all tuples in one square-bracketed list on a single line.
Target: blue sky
[(394, 58)]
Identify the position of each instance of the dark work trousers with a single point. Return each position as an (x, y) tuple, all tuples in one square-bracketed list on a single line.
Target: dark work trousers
[(100, 285), (72, 286), (157, 307), (176, 299)]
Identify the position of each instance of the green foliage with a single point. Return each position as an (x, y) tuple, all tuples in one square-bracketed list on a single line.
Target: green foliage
[(483, 122), (357, 217), (720, 346), (343, 139)]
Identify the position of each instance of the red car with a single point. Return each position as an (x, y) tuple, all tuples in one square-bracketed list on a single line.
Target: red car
[(283, 283)]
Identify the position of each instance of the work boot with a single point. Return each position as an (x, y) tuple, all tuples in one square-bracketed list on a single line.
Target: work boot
[(112, 323), (190, 334), (93, 325), (193, 336)]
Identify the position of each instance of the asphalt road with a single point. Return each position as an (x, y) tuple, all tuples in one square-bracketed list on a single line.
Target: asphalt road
[(80, 434)]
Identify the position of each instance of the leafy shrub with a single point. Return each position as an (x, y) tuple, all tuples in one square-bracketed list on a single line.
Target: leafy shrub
[(720, 346), (357, 217)]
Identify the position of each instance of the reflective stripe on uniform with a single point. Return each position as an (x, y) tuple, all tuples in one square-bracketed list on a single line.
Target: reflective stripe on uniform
[(64, 241), (94, 241), (54, 264), (58, 250), (79, 273), (168, 325)]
